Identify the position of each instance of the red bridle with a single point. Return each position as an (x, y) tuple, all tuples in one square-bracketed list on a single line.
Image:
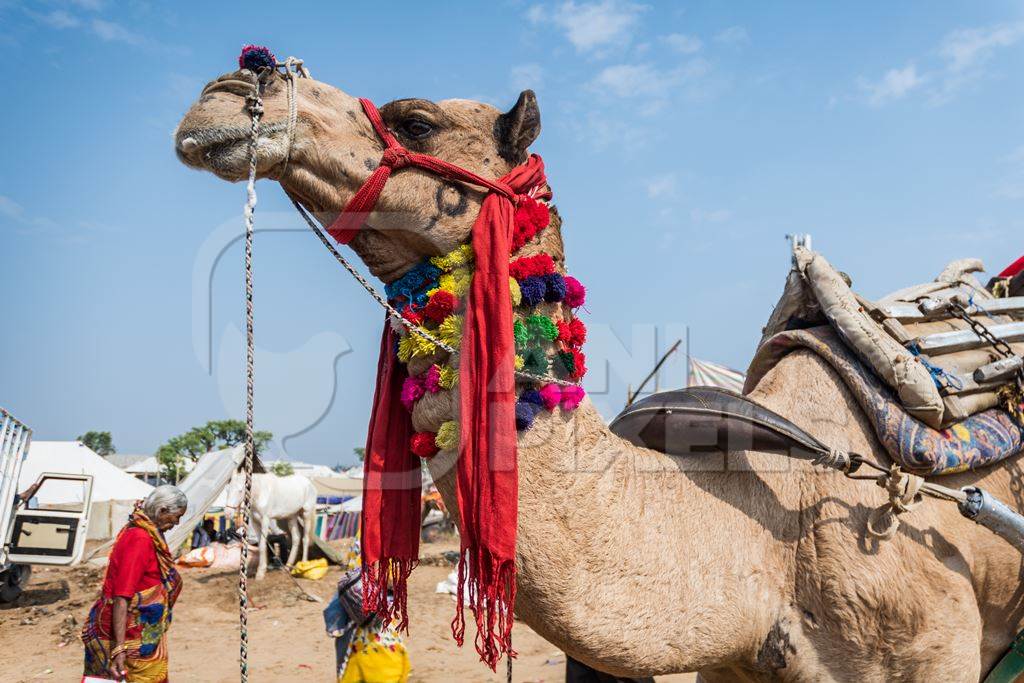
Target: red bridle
[(395, 156)]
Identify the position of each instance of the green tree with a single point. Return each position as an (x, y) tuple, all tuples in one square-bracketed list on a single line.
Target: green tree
[(100, 442), (174, 455), (360, 453), (282, 468)]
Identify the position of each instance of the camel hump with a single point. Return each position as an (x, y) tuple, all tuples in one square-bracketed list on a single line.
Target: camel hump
[(711, 420)]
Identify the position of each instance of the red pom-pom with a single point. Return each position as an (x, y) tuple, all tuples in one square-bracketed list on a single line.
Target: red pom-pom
[(573, 332), (441, 305), (579, 364), (422, 444), (531, 217), (524, 267), (412, 316)]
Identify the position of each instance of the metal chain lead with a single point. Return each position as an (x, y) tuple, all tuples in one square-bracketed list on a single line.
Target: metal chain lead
[(996, 342), (256, 110)]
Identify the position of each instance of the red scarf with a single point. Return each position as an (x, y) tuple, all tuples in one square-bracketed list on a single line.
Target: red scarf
[(487, 482)]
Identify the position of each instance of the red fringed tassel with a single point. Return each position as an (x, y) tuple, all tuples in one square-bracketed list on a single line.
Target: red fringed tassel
[(492, 599), (377, 578)]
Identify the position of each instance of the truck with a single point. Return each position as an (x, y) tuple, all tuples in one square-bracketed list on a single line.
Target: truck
[(53, 535)]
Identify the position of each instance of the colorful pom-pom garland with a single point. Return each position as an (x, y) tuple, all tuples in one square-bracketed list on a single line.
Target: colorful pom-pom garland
[(547, 340), (256, 57)]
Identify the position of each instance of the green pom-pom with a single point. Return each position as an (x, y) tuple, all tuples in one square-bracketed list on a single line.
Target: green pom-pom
[(520, 334), (542, 328), (564, 364), (447, 438), (535, 361)]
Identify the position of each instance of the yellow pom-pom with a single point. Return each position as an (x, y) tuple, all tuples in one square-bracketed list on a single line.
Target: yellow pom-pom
[(447, 438), (421, 346), (450, 331), (449, 376), (445, 282), (515, 292), (460, 256), (519, 362), (405, 348)]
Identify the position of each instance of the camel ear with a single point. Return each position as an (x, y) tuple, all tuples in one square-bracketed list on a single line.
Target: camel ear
[(517, 128)]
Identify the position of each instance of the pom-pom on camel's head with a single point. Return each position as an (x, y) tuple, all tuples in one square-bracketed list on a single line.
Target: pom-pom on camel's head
[(334, 149)]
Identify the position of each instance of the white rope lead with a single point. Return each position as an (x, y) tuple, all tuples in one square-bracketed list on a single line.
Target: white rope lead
[(256, 109)]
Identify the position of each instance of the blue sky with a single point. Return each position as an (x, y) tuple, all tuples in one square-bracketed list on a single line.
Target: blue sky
[(683, 140)]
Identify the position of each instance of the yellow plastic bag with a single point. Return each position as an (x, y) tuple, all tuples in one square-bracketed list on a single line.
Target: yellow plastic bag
[(314, 570)]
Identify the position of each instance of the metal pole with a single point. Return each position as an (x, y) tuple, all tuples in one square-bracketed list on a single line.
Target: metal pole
[(631, 398)]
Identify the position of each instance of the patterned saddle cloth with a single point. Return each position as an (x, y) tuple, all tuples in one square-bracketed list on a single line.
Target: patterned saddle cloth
[(976, 441)]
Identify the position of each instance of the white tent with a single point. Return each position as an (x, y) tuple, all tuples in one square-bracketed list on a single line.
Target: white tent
[(72, 457), (707, 374)]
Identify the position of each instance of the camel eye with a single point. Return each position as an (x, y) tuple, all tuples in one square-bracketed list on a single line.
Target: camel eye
[(415, 128)]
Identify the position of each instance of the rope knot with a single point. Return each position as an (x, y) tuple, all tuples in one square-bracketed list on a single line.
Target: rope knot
[(904, 491), (395, 158)]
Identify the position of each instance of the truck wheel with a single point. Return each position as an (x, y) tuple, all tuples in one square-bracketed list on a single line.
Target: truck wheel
[(13, 582)]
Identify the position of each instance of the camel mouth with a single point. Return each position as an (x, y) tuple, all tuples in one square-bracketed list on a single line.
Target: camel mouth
[(225, 150)]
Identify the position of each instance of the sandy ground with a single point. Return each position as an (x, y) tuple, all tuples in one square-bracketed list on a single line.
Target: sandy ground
[(39, 632)]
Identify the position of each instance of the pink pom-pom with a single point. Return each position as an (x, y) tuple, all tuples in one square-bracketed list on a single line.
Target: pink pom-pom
[(412, 391), (575, 292), (571, 397), (550, 394), (432, 380)]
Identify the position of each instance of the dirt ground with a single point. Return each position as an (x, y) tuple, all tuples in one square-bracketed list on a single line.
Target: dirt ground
[(39, 632)]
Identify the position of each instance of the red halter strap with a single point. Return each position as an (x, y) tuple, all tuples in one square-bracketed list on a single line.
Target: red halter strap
[(395, 157)]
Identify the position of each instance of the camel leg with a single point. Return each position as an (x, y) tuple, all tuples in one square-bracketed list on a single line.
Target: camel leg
[(293, 532), (261, 567)]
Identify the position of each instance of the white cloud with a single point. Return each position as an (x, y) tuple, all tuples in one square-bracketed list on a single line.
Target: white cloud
[(960, 60), (631, 80), (59, 19), (10, 208), (661, 186), (111, 32), (734, 35), (526, 76), (593, 25), (683, 43), (713, 216), (896, 83)]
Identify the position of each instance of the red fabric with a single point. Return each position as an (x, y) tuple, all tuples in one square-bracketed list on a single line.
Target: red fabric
[(486, 474), (391, 492), (133, 566), (1014, 268)]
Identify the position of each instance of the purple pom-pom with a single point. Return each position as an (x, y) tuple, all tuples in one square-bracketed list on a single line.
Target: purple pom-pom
[(526, 413), (554, 287), (256, 57), (533, 289)]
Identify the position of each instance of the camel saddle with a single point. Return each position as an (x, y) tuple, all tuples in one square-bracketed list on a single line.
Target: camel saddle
[(915, 340)]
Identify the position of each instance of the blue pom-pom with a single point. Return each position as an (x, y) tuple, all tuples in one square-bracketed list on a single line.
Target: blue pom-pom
[(526, 413), (554, 287), (531, 396), (256, 57), (533, 289)]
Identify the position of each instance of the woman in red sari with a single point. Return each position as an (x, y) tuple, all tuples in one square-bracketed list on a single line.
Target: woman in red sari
[(125, 634)]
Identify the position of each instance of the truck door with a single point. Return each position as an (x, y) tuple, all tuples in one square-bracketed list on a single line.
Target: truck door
[(54, 534)]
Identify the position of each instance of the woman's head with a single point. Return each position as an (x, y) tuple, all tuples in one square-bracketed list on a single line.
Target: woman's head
[(164, 506)]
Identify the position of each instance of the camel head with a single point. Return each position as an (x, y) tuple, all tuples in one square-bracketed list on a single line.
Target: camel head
[(334, 149)]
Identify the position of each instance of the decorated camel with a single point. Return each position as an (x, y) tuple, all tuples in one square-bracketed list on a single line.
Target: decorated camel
[(742, 566)]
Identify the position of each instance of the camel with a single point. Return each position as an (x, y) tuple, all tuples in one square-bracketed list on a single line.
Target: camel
[(741, 565)]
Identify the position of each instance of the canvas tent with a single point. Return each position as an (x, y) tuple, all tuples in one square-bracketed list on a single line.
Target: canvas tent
[(707, 374), (113, 491)]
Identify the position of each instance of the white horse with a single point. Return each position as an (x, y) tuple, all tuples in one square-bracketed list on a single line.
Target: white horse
[(291, 498)]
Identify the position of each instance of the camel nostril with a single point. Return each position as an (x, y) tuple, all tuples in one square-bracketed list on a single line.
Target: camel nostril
[(188, 144)]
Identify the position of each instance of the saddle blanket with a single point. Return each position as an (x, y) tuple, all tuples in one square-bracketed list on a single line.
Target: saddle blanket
[(976, 441)]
